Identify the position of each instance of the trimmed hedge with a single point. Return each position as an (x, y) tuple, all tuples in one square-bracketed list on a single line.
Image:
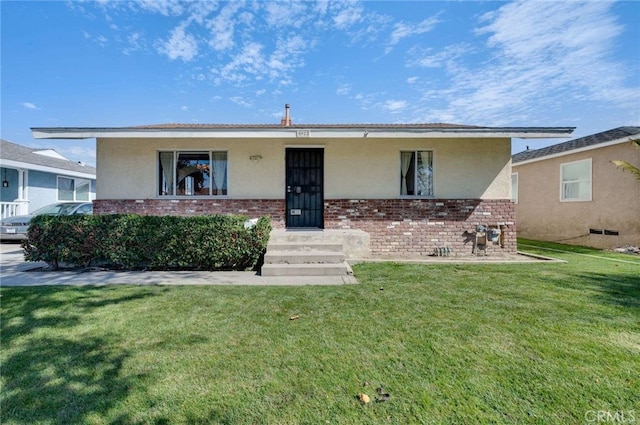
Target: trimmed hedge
[(136, 242)]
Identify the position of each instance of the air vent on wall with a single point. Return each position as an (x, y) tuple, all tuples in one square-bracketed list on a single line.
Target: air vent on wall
[(604, 232)]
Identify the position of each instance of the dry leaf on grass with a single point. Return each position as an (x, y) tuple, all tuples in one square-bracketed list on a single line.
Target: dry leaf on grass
[(364, 398)]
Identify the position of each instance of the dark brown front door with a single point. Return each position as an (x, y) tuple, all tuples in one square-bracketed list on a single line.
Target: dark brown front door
[(305, 187)]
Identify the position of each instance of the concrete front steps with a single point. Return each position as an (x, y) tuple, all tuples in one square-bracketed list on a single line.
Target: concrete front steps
[(311, 253)]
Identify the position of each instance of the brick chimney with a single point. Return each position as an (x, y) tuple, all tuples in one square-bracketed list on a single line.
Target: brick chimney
[(286, 121)]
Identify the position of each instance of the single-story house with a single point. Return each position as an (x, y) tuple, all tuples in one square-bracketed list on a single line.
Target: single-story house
[(33, 178), (413, 188), (572, 192)]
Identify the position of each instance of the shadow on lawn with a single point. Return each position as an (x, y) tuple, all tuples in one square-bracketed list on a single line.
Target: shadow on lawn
[(617, 289), (50, 376)]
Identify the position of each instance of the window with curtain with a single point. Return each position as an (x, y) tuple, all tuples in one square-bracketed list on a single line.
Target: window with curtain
[(575, 178), (192, 173), (514, 188), (70, 189), (416, 173)]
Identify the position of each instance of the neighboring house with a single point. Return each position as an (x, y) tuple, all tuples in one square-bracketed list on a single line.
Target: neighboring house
[(572, 192), (412, 187), (33, 178)]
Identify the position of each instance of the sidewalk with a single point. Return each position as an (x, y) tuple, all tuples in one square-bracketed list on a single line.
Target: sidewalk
[(14, 271)]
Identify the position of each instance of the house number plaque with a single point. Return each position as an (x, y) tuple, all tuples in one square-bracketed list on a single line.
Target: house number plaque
[(302, 133)]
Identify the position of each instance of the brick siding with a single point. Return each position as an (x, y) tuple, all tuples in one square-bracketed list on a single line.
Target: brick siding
[(406, 227)]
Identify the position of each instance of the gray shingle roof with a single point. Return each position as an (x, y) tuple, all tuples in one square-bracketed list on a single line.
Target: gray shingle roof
[(13, 152), (582, 142)]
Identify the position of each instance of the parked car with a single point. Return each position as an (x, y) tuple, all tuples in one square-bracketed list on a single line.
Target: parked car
[(15, 228)]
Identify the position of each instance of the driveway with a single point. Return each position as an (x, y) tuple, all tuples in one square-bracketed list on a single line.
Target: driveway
[(12, 259)]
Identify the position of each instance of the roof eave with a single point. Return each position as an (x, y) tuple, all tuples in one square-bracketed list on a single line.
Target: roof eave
[(8, 163), (300, 131), (625, 139)]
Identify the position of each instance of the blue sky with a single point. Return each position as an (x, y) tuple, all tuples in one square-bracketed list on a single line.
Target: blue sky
[(121, 63)]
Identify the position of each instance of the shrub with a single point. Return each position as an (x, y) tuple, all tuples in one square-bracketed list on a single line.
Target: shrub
[(67, 239), (129, 241)]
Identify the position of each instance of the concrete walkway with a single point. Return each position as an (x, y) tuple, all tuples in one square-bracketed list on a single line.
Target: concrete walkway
[(14, 271)]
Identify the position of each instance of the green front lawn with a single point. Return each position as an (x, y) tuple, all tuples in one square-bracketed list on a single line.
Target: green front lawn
[(522, 343)]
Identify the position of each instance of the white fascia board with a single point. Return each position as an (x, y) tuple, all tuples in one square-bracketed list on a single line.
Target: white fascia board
[(578, 150), (464, 134), (67, 134), (61, 171), (298, 132)]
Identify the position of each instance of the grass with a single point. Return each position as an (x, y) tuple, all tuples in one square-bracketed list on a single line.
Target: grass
[(522, 343)]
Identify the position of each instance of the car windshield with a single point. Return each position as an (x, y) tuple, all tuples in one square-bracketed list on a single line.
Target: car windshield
[(56, 209)]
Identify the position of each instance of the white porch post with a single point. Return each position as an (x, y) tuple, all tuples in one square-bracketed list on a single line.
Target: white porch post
[(23, 192)]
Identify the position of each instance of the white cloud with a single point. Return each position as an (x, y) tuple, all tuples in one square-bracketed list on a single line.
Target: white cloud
[(428, 58), (402, 30), (200, 10), (238, 100), (240, 40), (565, 40), (367, 100), (290, 14), (542, 55), (248, 61), (348, 15), (252, 61), (180, 45), (222, 27), (287, 56), (29, 105), (135, 42), (344, 89), (80, 151), (394, 106), (102, 40), (163, 7)]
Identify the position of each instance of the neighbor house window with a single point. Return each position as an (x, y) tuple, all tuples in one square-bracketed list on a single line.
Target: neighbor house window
[(575, 181), (514, 188), (416, 173), (70, 189), (192, 173)]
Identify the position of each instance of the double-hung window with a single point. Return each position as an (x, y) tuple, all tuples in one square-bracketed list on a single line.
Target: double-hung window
[(575, 181), (416, 173), (192, 173), (70, 189)]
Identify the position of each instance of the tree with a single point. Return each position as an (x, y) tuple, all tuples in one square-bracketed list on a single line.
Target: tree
[(626, 166)]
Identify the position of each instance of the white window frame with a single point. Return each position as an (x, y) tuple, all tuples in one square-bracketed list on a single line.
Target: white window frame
[(514, 187), (176, 153), (415, 167), (588, 180), (76, 183)]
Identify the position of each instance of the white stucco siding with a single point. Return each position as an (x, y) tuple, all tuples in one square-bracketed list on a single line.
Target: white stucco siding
[(361, 169), (122, 171), (474, 168), (367, 168)]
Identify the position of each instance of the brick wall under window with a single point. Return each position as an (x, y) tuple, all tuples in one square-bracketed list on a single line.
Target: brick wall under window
[(396, 226)]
